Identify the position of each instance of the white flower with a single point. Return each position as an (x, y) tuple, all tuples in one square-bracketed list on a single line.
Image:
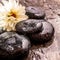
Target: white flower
[(11, 12)]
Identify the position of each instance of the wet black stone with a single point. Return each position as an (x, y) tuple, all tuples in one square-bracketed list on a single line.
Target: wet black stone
[(45, 35), (13, 45), (29, 26), (35, 12)]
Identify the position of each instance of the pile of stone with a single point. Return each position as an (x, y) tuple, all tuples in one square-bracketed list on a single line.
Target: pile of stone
[(34, 30)]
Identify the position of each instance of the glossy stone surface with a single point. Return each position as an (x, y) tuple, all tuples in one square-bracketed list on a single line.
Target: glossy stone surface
[(12, 44), (29, 26), (45, 35), (35, 12)]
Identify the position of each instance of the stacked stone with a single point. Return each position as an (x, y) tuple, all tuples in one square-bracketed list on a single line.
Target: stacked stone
[(36, 29)]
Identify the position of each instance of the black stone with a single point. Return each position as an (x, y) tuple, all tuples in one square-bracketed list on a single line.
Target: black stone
[(29, 26), (35, 12), (45, 35), (13, 45)]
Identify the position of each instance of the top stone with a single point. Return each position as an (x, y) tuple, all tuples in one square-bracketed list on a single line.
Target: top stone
[(35, 12)]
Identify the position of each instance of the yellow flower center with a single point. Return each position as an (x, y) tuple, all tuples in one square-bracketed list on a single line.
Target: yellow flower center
[(11, 12)]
